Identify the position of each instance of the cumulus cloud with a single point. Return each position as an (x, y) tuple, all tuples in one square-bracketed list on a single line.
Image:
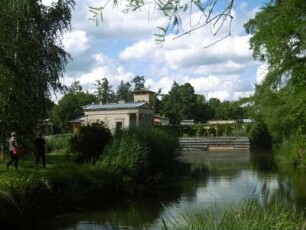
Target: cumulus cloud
[(123, 46), (76, 42)]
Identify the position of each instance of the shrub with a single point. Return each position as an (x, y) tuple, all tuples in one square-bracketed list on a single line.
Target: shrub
[(90, 141), (141, 151), (58, 142), (259, 135), (294, 150)]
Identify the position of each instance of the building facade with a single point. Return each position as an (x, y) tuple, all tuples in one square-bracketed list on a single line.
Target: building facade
[(120, 116)]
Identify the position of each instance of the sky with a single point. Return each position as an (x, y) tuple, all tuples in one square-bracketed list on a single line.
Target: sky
[(123, 46)]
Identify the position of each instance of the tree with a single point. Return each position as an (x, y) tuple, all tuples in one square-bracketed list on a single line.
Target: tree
[(90, 142), (278, 39), (75, 87), (228, 110), (213, 104), (201, 109), (69, 108), (138, 82), (104, 92), (124, 92), (32, 61), (179, 103)]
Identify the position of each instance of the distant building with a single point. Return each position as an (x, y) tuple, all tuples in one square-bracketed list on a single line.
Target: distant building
[(187, 122), (216, 122), (121, 115), (77, 123), (160, 120), (145, 95)]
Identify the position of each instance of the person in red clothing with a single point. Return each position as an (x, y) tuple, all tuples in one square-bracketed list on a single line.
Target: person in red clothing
[(40, 149), (13, 150)]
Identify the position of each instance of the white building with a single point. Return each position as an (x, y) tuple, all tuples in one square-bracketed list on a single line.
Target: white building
[(120, 115)]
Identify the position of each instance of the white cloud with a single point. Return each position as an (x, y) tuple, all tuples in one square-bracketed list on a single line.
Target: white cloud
[(139, 50), (261, 73), (123, 46), (76, 42)]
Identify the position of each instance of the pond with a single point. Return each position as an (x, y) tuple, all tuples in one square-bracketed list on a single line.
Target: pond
[(231, 178)]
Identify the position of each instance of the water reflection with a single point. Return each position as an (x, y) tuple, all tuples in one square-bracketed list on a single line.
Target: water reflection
[(231, 178)]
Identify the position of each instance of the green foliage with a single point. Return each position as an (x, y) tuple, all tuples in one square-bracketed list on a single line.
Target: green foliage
[(58, 142), (141, 152), (70, 107), (278, 39), (104, 92), (138, 82), (124, 92), (294, 150), (29, 194), (180, 103), (248, 215), (88, 144), (26, 78), (259, 135)]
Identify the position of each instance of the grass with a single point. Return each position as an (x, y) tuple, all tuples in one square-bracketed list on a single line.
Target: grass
[(248, 215), (63, 185)]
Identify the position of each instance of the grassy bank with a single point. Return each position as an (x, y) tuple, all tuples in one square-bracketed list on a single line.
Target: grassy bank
[(248, 215), (62, 186), (65, 184)]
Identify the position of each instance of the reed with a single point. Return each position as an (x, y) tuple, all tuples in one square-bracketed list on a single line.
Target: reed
[(247, 215)]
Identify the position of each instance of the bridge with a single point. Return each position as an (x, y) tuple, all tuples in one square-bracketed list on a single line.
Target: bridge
[(227, 143)]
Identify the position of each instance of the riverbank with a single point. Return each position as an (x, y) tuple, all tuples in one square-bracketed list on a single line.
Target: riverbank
[(248, 214), (64, 186)]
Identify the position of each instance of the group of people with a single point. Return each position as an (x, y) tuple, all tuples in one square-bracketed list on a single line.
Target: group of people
[(40, 150)]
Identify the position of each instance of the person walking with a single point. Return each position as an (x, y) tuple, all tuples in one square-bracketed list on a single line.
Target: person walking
[(13, 150), (40, 150)]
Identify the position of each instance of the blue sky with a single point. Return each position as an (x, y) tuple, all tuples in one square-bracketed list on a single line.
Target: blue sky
[(123, 46)]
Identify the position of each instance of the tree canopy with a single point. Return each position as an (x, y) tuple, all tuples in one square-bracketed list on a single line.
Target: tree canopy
[(32, 60), (279, 40)]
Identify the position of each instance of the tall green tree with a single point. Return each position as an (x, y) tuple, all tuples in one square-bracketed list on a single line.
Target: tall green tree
[(201, 113), (124, 92), (179, 103), (32, 60), (104, 92), (75, 87), (279, 39), (70, 107), (138, 82)]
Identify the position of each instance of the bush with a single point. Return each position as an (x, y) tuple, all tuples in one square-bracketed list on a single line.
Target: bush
[(89, 143), (58, 142), (141, 151), (294, 150), (259, 135)]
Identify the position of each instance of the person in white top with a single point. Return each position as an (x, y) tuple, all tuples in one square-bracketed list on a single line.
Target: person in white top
[(13, 150)]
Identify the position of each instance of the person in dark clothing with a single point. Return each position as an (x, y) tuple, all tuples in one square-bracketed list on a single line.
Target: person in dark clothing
[(13, 150), (40, 151)]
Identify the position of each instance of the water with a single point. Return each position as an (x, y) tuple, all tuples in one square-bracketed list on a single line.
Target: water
[(232, 178)]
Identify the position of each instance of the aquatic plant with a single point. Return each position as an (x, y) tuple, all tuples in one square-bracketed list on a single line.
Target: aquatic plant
[(247, 215)]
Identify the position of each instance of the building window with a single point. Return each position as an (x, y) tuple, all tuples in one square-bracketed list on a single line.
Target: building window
[(119, 125)]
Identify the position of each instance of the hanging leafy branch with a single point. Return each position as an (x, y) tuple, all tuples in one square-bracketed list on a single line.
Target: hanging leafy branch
[(213, 13)]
